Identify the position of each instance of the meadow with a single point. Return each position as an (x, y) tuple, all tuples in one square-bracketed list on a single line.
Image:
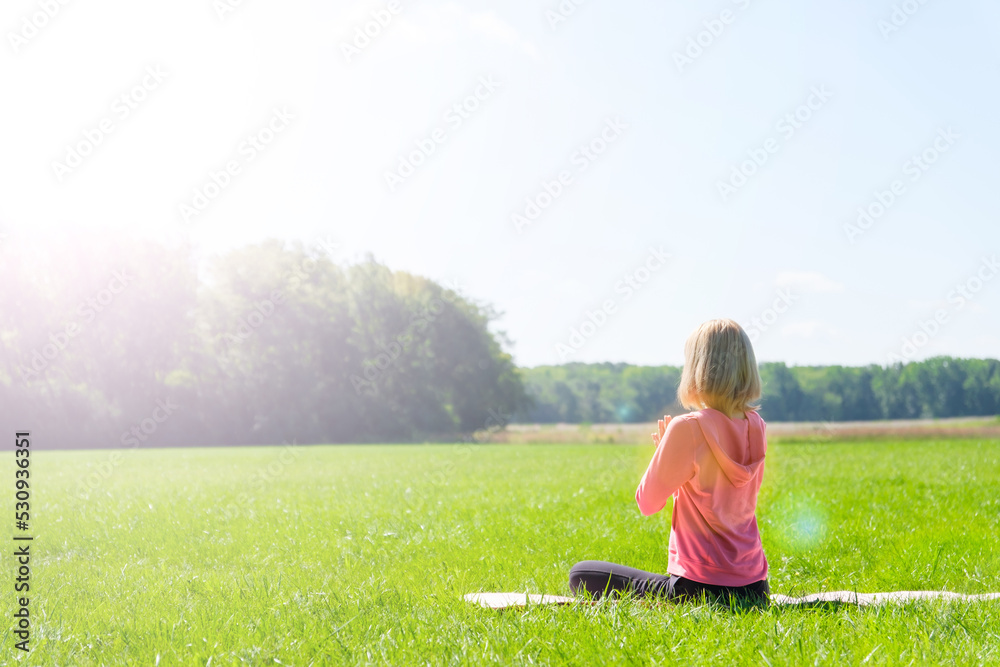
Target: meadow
[(314, 555)]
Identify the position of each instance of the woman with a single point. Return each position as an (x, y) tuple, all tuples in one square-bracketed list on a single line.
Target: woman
[(712, 462)]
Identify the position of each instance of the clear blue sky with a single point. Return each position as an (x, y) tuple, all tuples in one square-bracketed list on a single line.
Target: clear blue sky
[(678, 131)]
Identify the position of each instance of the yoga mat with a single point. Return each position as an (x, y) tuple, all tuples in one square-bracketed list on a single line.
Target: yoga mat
[(866, 599), (508, 600), (505, 600)]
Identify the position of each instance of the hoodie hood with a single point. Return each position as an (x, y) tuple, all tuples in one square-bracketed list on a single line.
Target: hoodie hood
[(738, 445)]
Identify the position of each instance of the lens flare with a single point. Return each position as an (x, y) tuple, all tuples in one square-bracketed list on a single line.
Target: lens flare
[(802, 523)]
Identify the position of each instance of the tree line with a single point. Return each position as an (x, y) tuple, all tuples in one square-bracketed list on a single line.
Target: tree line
[(131, 343), (607, 392), (128, 343)]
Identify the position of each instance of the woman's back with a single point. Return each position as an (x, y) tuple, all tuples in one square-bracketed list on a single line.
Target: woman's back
[(714, 536), (712, 462)]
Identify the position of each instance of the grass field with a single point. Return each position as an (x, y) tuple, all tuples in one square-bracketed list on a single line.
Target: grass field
[(360, 554)]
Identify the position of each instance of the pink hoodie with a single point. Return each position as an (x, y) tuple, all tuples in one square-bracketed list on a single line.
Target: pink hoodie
[(712, 465)]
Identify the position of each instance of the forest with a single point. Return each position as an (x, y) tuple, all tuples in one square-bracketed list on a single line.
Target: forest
[(132, 343), (936, 387), (139, 343)]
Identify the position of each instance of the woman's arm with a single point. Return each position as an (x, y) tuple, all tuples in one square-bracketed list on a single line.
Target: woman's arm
[(672, 465)]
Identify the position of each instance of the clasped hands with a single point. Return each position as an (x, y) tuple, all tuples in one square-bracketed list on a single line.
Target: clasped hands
[(662, 424)]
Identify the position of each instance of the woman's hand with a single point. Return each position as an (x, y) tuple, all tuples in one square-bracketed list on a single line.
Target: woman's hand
[(662, 424)]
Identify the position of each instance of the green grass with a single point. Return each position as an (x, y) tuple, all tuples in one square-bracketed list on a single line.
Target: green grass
[(360, 554)]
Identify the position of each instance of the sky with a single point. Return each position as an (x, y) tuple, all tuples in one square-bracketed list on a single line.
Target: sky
[(605, 175)]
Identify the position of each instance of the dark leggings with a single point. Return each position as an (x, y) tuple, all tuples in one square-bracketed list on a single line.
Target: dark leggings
[(601, 578)]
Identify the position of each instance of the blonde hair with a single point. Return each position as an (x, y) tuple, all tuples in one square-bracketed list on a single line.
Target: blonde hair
[(720, 369)]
